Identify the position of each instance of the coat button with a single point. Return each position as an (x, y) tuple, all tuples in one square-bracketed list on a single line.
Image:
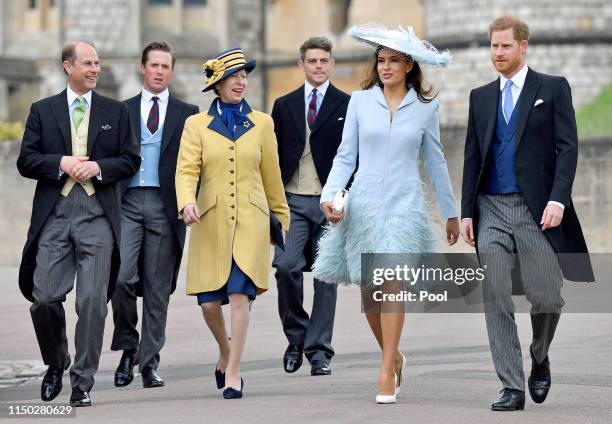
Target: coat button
[(232, 218), (232, 206), (231, 183), (231, 159), (231, 171), (232, 194), (232, 148)]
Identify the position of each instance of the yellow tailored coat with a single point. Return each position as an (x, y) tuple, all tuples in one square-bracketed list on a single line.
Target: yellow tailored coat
[(240, 184)]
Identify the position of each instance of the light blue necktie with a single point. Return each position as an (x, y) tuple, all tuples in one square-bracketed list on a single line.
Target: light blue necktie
[(508, 106)]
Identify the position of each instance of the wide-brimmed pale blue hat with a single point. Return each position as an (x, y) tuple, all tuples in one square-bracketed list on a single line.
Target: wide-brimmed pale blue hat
[(224, 64), (402, 40)]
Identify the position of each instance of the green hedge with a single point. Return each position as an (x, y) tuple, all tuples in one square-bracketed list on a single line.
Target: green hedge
[(11, 131), (595, 118)]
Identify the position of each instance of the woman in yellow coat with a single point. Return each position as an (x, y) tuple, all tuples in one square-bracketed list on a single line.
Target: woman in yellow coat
[(231, 150)]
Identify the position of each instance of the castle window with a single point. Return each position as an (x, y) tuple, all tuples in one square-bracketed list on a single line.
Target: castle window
[(32, 4), (200, 3), (338, 15), (160, 2)]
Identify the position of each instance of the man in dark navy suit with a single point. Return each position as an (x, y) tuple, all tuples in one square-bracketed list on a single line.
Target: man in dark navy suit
[(308, 123), (152, 235), (521, 152)]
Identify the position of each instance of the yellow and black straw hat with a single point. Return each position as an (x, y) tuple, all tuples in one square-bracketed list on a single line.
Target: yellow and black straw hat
[(223, 65)]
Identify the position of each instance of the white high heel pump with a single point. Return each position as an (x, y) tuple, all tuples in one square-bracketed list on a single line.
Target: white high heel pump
[(401, 375), (387, 399)]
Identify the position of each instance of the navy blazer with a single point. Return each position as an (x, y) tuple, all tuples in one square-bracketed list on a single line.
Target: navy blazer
[(176, 114), (289, 115), (545, 159)]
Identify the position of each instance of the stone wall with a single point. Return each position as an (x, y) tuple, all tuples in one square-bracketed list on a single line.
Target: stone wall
[(564, 19), (569, 38), (587, 67), (113, 24)]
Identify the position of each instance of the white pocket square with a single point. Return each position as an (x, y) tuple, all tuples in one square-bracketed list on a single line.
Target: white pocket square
[(340, 119), (538, 102), (105, 127)]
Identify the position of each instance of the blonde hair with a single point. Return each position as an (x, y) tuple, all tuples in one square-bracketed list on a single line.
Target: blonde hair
[(520, 29)]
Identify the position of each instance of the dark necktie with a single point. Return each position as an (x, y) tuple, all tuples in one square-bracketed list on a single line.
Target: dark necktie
[(153, 121), (312, 108)]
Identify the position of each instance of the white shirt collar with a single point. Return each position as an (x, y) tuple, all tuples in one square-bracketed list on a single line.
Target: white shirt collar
[(72, 96), (320, 89), (147, 95), (518, 79)]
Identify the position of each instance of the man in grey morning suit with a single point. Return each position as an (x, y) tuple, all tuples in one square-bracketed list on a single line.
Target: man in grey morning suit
[(152, 236), (521, 152), (78, 145), (308, 124)]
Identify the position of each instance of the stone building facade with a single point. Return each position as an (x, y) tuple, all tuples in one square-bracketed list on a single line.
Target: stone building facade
[(569, 37)]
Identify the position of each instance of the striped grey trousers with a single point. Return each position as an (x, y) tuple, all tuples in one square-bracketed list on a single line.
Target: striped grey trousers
[(76, 239), (507, 230)]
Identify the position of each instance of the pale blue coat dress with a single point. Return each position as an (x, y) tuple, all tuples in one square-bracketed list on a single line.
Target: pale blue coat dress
[(386, 211)]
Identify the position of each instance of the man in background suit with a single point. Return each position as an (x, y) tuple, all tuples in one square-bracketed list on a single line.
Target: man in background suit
[(78, 145), (520, 160), (152, 235), (308, 123)]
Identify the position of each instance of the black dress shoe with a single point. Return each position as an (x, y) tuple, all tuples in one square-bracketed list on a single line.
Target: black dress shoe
[(539, 380), (150, 378), (79, 398), (52, 382), (510, 400), (231, 393), (319, 368), (292, 361), (124, 374)]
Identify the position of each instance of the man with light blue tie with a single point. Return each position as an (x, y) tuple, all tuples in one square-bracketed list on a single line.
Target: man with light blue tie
[(308, 123), (521, 151), (152, 237)]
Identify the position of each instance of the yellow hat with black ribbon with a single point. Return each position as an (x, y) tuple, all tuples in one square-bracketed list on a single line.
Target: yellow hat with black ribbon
[(223, 65)]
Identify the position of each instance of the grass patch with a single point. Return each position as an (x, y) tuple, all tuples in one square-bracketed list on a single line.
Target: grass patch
[(595, 119)]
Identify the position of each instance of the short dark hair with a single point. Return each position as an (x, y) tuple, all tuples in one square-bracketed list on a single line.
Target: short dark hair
[(520, 29), (69, 51), (322, 43), (156, 45)]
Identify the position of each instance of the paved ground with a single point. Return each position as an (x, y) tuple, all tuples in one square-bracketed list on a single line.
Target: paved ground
[(449, 378)]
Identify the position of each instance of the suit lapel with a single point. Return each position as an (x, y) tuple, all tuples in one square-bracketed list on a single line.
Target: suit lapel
[(173, 113), (96, 116), (134, 110), (331, 101), (490, 110), (62, 116), (298, 112), (525, 102)]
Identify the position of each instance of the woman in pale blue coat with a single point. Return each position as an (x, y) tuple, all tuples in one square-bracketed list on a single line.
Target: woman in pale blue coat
[(388, 125)]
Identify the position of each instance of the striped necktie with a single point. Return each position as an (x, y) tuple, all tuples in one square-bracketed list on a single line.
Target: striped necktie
[(153, 120), (312, 108)]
